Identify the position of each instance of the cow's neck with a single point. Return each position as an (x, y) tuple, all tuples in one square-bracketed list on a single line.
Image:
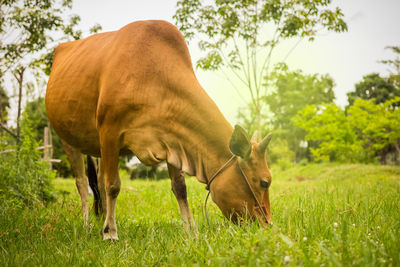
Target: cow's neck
[(201, 142)]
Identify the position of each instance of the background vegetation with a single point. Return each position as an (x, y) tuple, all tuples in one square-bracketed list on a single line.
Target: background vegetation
[(24, 178)]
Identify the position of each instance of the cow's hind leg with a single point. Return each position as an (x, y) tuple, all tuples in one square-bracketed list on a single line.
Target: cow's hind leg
[(179, 189), (109, 156), (93, 183), (78, 167)]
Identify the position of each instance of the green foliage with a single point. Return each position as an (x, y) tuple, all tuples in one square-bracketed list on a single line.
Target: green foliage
[(377, 125), (324, 215), (24, 178), (329, 127), (373, 86), (360, 136)]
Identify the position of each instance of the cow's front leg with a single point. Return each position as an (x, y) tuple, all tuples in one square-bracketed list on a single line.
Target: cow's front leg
[(109, 155), (179, 188), (102, 188)]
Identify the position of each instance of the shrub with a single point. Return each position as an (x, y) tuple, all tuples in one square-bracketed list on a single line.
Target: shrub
[(156, 172), (24, 178), (280, 154)]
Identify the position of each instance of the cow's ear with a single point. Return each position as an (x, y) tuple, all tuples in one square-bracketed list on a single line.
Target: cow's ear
[(240, 144)]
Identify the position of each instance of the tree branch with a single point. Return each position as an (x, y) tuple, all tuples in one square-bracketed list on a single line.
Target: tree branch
[(230, 66), (292, 49), (5, 128), (248, 71)]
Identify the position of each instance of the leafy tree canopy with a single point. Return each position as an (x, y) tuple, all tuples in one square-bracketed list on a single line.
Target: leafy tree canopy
[(373, 86), (368, 130), (328, 127), (377, 125)]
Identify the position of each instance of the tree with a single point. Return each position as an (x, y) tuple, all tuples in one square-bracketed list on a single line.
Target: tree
[(292, 91), (242, 35), (367, 132), (378, 126), (335, 138), (373, 86)]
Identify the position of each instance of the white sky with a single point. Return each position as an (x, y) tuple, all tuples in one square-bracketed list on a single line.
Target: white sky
[(345, 56)]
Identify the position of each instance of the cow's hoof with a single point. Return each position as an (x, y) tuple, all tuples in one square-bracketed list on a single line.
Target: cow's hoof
[(108, 236)]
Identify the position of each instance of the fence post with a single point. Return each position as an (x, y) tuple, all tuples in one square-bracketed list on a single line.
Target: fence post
[(47, 148)]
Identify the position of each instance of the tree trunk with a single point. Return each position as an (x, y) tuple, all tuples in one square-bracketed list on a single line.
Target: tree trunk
[(383, 155), (1, 109), (397, 147), (19, 76)]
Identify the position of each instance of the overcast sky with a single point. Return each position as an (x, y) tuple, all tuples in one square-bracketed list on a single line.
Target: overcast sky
[(345, 56)]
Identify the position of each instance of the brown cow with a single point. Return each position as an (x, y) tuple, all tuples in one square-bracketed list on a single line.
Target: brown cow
[(134, 91)]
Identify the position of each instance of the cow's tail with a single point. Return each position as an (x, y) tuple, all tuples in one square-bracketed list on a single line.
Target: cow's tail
[(92, 177)]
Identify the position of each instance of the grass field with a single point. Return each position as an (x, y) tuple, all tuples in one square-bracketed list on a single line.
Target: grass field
[(329, 215)]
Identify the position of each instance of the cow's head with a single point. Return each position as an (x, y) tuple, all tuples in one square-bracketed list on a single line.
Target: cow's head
[(231, 192)]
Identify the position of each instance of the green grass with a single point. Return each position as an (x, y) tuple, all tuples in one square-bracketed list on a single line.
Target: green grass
[(323, 215)]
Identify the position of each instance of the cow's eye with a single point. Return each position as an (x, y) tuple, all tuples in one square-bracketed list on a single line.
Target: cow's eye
[(264, 184)]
